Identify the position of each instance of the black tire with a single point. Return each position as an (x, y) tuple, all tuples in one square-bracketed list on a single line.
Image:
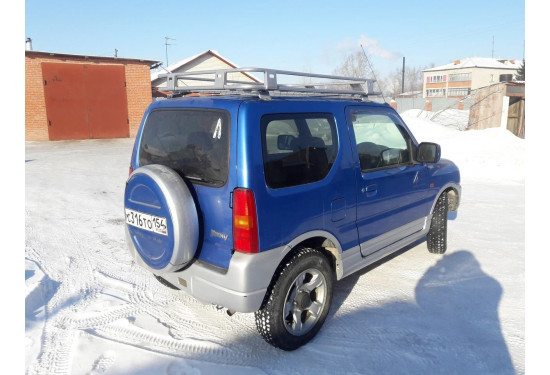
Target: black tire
[(437, 235), (165, 283), (297, 301)]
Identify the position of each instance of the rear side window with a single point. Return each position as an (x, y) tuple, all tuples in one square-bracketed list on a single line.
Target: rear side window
[(193, 142), (298, 148)]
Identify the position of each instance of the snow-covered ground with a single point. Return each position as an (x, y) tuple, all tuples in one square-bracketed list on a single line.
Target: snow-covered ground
[(90, 310), (452, 118)]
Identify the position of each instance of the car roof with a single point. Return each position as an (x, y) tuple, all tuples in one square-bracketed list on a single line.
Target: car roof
[(238, 98)]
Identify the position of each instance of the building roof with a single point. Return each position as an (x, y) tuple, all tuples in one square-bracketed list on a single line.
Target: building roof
[(478, 62), (89, 57), (174, 66)]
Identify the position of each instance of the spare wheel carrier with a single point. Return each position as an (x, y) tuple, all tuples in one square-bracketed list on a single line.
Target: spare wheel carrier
[(156, 192)]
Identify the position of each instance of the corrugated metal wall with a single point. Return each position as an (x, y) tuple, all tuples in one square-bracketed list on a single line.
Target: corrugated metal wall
[(85, 101)]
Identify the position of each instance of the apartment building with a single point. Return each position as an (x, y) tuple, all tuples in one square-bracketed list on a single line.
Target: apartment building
[(459, 78)]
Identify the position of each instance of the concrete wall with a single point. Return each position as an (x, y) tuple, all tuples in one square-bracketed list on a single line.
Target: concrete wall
[(138, 90), (437, 104)]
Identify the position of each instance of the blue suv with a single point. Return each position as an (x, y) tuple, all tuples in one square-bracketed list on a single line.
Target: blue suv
[(259, 196)]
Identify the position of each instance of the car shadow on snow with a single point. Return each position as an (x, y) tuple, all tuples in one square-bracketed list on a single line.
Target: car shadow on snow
[(452, 328), (344, 287)]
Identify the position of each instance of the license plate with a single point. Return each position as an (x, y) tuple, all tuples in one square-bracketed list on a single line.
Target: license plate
[(148, 222)]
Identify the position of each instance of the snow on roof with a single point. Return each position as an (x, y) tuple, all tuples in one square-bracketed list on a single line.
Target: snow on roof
[(479, 62), (174, 66)]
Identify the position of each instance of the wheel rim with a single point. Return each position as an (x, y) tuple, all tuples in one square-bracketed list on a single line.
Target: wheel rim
[(304, 302)]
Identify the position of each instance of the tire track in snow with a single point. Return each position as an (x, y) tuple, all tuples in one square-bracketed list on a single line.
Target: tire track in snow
[(143, 339), (74, 293), (86, 321)]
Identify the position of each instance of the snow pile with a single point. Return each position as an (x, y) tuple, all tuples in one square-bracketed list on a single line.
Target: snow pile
[(491, 155), (453, 118)]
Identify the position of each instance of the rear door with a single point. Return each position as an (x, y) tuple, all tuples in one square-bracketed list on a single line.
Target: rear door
[(391, 201), (195, 142)]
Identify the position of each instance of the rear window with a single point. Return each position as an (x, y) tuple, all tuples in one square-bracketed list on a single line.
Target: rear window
[(193, 142)]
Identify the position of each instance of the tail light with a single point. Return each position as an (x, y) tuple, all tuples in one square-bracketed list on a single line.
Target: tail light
[(130, 170), (245, 222)]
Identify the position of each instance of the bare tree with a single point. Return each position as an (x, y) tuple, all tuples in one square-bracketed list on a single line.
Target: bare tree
[(356, 65), (413, 80)]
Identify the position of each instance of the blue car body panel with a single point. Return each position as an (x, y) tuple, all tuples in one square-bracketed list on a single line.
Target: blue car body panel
[(352, 206)]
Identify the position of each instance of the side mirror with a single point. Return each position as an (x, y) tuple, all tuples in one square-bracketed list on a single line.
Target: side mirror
[(284, 141), (428, 152)]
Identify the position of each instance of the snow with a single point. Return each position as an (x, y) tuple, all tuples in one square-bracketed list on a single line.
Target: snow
[(453, 118), (491, 155), (90, 310), (479, 62)]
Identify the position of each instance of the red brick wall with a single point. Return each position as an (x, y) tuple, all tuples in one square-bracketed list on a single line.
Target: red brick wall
[(428, 106), (138, 90), (36, 126)]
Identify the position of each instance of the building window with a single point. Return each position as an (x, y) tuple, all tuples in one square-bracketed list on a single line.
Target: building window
[(436, 79), (505, 77), (460, 77), (435, 92), (459, 91)]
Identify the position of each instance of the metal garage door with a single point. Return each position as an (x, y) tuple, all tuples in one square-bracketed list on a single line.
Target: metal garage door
[(85, 101)]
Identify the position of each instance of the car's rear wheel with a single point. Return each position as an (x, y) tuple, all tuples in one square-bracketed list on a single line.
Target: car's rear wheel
[(298, 300), (437, 235)]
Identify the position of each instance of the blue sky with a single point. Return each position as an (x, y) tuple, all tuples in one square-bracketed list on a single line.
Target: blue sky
[(294, 35)]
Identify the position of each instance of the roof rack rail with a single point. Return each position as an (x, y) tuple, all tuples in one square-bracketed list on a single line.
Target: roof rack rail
[(219, 81)]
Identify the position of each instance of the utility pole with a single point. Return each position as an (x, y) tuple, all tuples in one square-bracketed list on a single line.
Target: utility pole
[(116, 52), (166, 45), (403, 77)]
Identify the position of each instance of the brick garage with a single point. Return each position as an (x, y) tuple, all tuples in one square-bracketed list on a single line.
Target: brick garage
[(79, 97)]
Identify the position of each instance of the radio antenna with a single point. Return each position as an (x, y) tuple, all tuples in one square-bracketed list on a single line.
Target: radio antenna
[(166, 44), (374, 74)]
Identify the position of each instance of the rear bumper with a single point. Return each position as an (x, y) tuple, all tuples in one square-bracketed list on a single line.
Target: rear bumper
[(242, 288)]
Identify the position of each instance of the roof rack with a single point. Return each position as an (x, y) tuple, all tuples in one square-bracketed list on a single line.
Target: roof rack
[(219, 81)]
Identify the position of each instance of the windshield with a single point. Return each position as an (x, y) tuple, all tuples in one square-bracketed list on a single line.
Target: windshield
[(193, 142)]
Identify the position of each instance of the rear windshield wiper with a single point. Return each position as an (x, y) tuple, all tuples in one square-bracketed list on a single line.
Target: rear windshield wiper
[(202, 179)]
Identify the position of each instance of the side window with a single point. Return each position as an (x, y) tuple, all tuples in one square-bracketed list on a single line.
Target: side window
[(278, 128), (381, 143), (320, 128), (298, 148)]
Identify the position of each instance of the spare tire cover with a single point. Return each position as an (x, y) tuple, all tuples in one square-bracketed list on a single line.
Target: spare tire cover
[(161, 218)]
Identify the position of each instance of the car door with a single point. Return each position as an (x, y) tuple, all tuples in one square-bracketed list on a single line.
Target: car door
[(391, 188)]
